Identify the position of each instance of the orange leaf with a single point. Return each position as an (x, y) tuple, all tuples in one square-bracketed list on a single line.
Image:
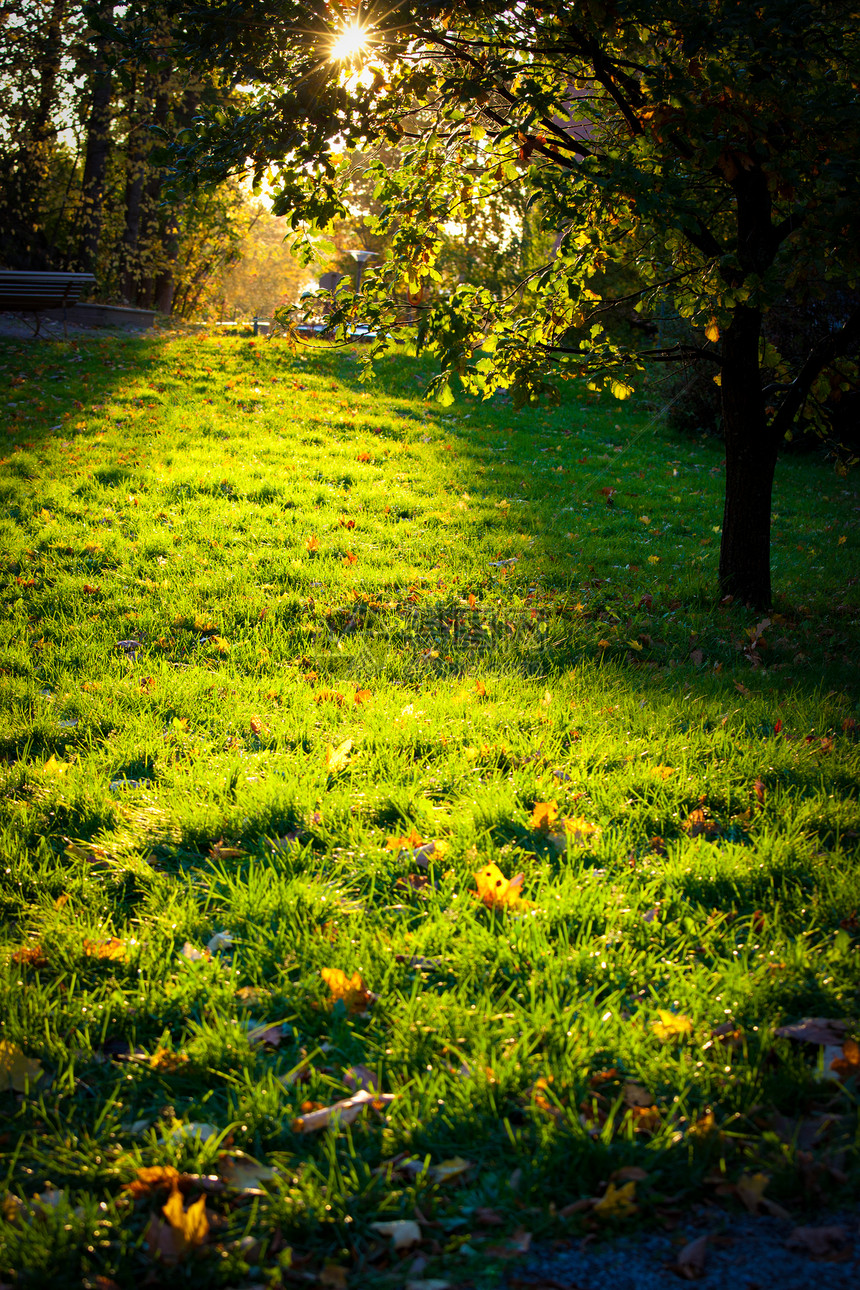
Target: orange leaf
[(350, 990), (312, 544), (362, 696), (349, 558), (150, 1177), (408, 842), (849, 1063), (112, 948), (481, 689), (543, 815)]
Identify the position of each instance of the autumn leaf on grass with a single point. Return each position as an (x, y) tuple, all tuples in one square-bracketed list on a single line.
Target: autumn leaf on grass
[(543, 815), (698, 824), (312, 544), (184, 1229), (848, 1065), (496, 892), (815, 1030), (404, 1232), (244, 1174), (351, 991), (152, 1178), (337, 759), (445, 1171), (343, 1112), (575, 831), (691, 1259), (750, 1189), (362, 696), (112, 948), (671, 1026), (31, 955), (17, 1071), (617, 1202), (53, 766), (408, 842)]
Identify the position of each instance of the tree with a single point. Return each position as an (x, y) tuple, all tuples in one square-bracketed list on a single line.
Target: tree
[(710, 146)]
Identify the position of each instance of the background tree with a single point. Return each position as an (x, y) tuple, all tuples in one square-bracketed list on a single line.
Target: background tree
[(711, 148)]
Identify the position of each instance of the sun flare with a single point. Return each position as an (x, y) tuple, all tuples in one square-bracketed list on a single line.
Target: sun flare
[(349, 43)]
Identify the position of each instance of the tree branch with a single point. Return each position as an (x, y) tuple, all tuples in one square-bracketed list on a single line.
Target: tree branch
[(821, 354)]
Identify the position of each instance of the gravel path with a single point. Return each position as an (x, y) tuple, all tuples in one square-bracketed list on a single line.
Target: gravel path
[(737, 1253)]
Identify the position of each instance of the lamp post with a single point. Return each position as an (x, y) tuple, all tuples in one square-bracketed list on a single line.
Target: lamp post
[(361, 258)]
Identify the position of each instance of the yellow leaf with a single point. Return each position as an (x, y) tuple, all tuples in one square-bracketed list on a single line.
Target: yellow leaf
[(718, 379), (312, 544), (620, 389), (544, 814), (671, 1025), (663, 772), (712, 331), (750, 1189), (653, 559), (191, 1224), (337, 759), (495, 890), (55, 767), (351, 990), (618, 1202), (17, 1071)]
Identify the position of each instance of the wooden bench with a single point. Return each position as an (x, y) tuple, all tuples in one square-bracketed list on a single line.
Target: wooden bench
[(24, 292)]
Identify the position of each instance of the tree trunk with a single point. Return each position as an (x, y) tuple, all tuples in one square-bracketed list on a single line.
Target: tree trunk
[(751, 451), (98, 146)]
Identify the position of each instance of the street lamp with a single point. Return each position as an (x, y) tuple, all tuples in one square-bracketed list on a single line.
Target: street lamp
[(361, 258)]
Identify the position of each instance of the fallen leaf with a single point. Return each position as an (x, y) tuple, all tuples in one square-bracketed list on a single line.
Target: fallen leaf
[(445, 1171), (312, 544), (362, 696), (188, 1227), (333, 1277), (543, 815), (698, 824), (617, 1202), (671, 1026), (343, 1112), (815, 1030), (408, 842), (17, 1071), (848, 1065), (194, 955), (404, 1232), (351, 991), (357, 1077), (265, 1034), (53, 766), (31, 955), (165, 1059), (750, 1189), (494, 889), (220, 941), (690, 1263), (150, 1178), (244, 1174), (629, 1173), (337, 759), (635, 1095), (112, 948), (575, 830), (831, 1243)]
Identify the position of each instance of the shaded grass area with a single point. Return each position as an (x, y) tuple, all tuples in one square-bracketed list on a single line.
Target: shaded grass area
[(222, 562)]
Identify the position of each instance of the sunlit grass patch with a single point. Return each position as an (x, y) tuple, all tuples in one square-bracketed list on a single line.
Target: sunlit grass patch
[(286, 661)]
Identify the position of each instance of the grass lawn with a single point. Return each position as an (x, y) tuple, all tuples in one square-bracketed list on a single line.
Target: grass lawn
[(286, 661)]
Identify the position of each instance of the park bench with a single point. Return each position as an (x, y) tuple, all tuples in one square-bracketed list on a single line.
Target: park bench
[(24, 292)]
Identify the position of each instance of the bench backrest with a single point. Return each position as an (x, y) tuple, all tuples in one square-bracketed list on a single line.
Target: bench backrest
[(23, 290)]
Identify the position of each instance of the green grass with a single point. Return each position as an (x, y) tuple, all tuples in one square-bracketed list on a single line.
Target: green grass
[(276, 536)]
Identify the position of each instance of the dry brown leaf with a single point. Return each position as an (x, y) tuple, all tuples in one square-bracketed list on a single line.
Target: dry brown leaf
[(698, 824), (343, 1112), (691, 1260), (333, 1277), (830, 1243), (112, 948), (750, 1190), (815, 1030), (848, 1065), (31, 955)]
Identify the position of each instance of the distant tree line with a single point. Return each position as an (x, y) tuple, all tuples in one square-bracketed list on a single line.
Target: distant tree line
[(83, 184)]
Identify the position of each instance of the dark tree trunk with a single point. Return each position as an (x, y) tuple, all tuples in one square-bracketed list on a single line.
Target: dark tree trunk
[(98, 147), (751, 451)]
